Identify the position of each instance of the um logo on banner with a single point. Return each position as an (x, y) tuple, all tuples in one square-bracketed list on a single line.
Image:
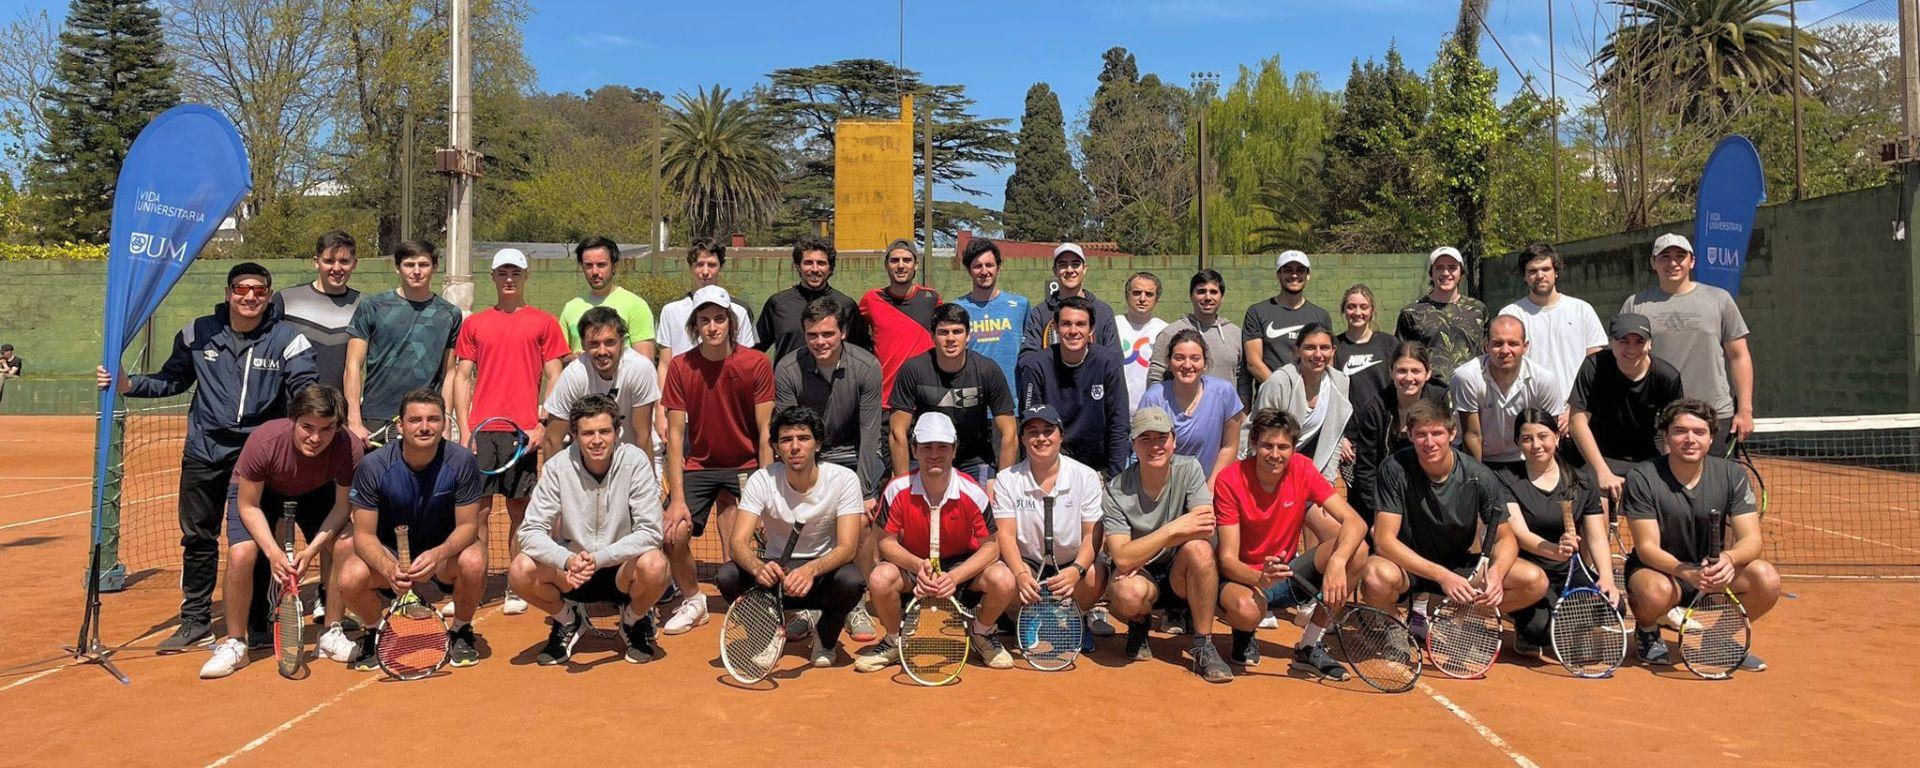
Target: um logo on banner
[(145, 245)]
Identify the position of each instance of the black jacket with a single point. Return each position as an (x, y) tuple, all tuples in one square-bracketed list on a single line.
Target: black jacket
[(245, 380), (1376, 433)]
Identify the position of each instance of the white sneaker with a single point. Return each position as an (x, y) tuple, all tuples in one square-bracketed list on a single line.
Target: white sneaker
[(691, 612), (319, 611), (447, 610), (228, 657), (1269, 621), (513, 605), (334, 644), (990, 651), (1674, 616), (822, 658), (881, 655)]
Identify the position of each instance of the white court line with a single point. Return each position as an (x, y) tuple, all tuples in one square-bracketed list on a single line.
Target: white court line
[(49, 518), (1480, 728), (31, 678), (46, 477), (288, 725), (87, 481)]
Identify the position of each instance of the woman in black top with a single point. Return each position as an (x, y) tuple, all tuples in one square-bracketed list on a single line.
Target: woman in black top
[(1539, 526), (1380, 427)]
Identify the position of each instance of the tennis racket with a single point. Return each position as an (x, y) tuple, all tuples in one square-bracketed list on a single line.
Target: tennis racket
[(1463, 639), (751, 636), (1050, 628), (288, 649), (387, 433), (1589, 634), (520, 444), (934, 640), (412, 640), (1619, 558), (1715, 650), (1375, 644)]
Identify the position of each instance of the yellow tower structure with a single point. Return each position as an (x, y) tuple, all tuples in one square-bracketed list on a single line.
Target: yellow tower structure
[(873, 181)]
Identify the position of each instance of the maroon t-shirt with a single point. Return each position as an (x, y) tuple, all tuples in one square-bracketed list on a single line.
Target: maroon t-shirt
[(718, 397), (270, 457)]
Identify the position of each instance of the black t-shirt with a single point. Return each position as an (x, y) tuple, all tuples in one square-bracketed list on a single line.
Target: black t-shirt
[(16, 366), (971, 397), (1277, 327), (1653, 493), (1440, 521), (1369, 366), (1541, 509), (1624, 412)]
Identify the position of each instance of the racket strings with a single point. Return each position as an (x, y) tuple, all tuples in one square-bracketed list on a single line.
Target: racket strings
[(412, 642), (1379, 648), (290, 631), (1721, 643), (752, 636), (1050, 633), (1463, 640), (934, 648), (1589, 636)]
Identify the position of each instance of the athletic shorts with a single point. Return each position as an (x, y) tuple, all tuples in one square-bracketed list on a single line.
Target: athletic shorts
[(516, 482), (1422, 585), (1687, 591), (968, 595), (1287, 593), (702, 489), (1160, 572), (602, 587), (309, 512)]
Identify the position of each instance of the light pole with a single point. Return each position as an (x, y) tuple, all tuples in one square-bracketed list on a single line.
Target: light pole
[(1203, 85)]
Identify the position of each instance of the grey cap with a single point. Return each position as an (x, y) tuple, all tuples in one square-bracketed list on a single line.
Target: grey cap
[(1149, 419), (1627, 323)]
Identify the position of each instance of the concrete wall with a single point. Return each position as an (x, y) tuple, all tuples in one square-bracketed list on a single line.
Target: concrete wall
[(1827, 294), (51, 311)]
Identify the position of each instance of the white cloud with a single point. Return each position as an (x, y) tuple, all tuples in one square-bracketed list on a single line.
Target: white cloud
[(604, 40)]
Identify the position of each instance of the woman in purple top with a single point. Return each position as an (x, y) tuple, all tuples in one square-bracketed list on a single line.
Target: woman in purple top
[(1206, 410)]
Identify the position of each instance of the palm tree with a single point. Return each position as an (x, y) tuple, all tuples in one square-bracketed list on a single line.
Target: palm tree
[(719, 153), (1706, 48)]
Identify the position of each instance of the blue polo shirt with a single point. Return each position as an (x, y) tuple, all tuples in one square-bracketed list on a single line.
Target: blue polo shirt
[(421, 499)]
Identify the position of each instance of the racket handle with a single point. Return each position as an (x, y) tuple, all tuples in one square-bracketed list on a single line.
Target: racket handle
[(402, 548)]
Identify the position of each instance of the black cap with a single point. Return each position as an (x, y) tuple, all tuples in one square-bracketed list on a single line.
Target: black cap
[(1630, 323), (249, 269), (1042, 412)]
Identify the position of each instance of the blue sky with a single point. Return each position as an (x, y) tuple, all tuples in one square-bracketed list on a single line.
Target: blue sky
[(997, 48)]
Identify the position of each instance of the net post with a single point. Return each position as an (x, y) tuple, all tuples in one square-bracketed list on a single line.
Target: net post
[(112, 574)]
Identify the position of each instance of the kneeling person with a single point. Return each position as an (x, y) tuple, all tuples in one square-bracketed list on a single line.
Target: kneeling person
[(1159, 527), (1261, 503), (592, 535), (1075, 490), (433, 487), (1433, 500), (908, 506), (825, 502)]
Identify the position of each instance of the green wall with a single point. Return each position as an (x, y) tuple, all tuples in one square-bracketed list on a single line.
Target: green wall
[(51, 311)]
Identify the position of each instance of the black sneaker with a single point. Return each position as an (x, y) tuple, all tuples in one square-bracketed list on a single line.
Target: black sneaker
[(561, 637), (1208, 664), (1314, 660), (463, 647), (1652, 649), (364, 657), (1246, 650), (639, 635), (191, 632), (1137, 648), (1178, 621)]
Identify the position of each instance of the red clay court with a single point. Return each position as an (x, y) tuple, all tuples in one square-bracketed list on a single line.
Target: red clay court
[(1853, 512)]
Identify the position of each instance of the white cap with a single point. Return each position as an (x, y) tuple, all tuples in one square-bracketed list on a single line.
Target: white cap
[(1671, 240), (1445, 250), (509, 257), (1073, 248), (711, 294), (1291, 257), (935, 427)]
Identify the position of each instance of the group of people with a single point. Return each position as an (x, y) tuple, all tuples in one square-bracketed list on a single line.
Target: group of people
[(1194, 468)]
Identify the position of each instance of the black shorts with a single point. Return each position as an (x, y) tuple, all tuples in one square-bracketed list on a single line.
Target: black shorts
[(965, 592), (603, 587), (1160, 572), (387, 593), (1687, 591), (309, 512), (1421, 585), (1287, 593), (516, 481), (702, 487)]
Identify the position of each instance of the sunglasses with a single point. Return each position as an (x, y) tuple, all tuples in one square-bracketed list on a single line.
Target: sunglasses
[(257, 291)]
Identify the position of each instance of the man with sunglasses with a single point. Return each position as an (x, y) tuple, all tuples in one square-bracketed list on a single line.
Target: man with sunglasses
[(243, 366)]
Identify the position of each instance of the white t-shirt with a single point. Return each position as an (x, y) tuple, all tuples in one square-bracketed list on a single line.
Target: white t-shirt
[(1474, 391), (1559, 336), (633, 384), (835, 494), (1077, 496), (1136, 346), (672, 328)]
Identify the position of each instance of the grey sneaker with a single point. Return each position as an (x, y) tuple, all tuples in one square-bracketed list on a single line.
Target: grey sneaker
[(191, 632), (879, 656), (1098, 624), (1652, 649), (1314, 660), (801, 624), (1208, 664), (860, 625), (1752, 663)]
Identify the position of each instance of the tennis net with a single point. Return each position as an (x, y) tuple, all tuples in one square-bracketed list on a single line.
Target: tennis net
[(148, 533), (1841, 494)]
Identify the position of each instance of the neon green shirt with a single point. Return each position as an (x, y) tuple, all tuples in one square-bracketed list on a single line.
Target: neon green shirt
[(631, 307)]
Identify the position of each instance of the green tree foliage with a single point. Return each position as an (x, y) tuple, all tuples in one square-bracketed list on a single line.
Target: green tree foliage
[(1708, 49), (1266, 138), (1379, 177), (1137, 164), (1463, 132), (1046, 200), (591, 171), (719, 154), (112, 77)]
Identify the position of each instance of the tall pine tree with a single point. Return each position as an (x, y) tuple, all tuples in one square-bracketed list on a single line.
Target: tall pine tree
[(111, 78), (1137, 166), (1045, 198)]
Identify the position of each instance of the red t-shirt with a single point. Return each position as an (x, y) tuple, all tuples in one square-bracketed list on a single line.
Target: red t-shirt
[(509, 349), (718, 397), (966, 521), (1269, 522), (271, 458), (902, 328)]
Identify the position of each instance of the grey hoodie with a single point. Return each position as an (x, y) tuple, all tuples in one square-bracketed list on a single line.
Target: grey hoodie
[(614, 519)]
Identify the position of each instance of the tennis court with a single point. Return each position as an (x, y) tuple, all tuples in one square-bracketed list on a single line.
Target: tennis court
[(1823, 702)]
